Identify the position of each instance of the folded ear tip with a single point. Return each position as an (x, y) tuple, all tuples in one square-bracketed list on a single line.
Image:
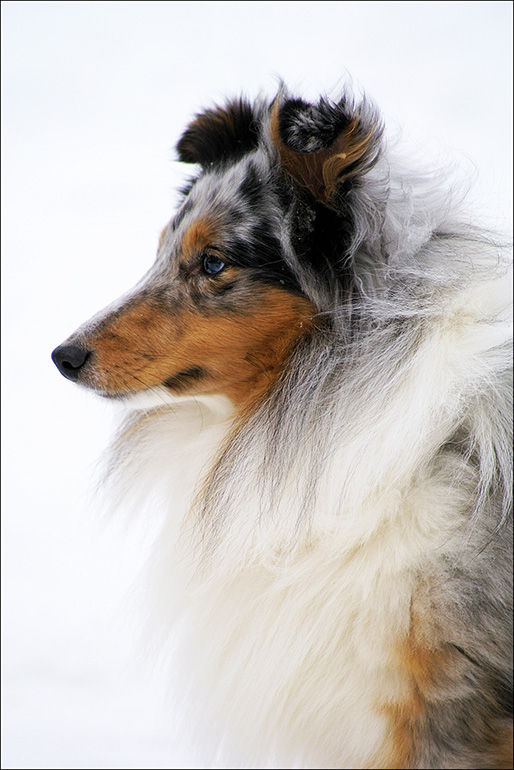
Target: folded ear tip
[(305, 127), (326, 147), (220, 133)]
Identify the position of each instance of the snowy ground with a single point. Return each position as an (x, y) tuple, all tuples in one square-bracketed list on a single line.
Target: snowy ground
[(94, 97)]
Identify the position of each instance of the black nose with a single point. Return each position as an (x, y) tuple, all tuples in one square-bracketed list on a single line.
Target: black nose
[(69, 359)]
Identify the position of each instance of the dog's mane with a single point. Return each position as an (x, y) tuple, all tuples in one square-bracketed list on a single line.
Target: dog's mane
[(411, 264)]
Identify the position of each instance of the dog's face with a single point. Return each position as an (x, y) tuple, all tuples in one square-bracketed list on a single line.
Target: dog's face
[(216, 313), (222, 306)]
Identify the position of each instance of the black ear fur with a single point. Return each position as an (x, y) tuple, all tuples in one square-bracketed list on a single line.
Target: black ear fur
[(220, 134), (308, 127)]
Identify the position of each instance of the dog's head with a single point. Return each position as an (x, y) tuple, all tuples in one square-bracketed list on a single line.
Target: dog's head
[(233, 287)]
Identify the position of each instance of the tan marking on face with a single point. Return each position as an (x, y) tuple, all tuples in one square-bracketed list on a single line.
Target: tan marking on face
[(240, 353), (245, 353), (199, 235), (132, 351)]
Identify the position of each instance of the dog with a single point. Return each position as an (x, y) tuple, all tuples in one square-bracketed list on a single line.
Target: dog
[(317, 374)]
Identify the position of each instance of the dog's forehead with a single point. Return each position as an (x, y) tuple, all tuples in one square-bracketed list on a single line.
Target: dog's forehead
[(233, 196), (238, 189)]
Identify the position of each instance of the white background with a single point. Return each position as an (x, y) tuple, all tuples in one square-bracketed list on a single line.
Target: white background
[(95, 95)]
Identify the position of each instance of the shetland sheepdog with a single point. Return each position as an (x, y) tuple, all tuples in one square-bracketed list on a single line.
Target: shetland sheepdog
[(317, 376)]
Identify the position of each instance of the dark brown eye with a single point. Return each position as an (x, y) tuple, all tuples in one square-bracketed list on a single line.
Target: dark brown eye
[(213, 265)]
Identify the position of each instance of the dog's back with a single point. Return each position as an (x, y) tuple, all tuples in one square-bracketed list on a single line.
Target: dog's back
[(327, 345)]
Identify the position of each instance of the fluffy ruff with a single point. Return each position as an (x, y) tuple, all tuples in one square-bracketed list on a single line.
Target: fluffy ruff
[(329, 437)]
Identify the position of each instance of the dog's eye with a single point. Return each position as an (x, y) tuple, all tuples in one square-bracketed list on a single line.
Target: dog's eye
[(213, 265)]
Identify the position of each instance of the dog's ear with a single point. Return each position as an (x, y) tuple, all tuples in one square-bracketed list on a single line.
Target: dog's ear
[(220, 134), (326, 147)]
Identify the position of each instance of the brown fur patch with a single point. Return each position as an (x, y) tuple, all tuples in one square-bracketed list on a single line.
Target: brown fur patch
[(239, 354), (256, 344), (321, 172), (421, 670), (199, 235), (433, 675)]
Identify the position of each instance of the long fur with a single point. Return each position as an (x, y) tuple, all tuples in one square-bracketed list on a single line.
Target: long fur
[(334, 569)]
